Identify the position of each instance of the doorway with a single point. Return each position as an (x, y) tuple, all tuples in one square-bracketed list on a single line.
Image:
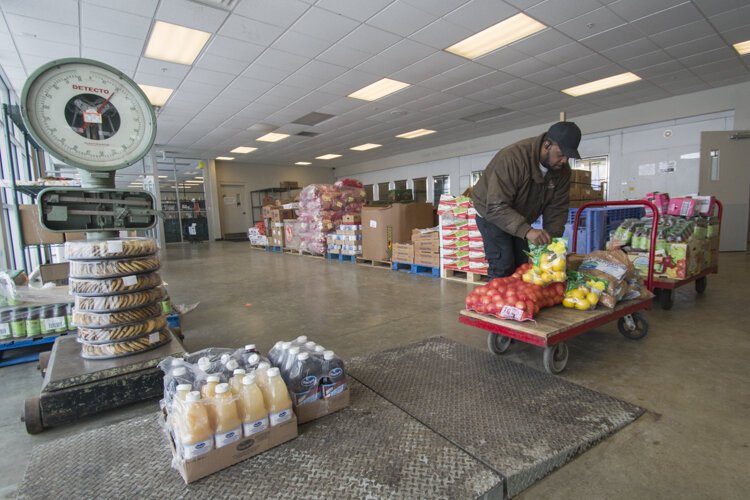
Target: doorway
[(235, 218)]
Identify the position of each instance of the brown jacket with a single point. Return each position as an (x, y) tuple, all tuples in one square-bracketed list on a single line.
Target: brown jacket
[(512, 194)]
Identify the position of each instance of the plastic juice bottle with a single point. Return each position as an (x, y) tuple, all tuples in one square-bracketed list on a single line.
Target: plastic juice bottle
[(299, 341), (319, 349), (33, 322), (333, 378), (5, 331), (309, 346), (18, 322), (236, 381), (252, 362), (196, 435), (204, 364), (208, 392), (182, 391), (283, 352), (303, 380), (291, 357), (275, 352), (252, 407), (278, 403), (228, 423)]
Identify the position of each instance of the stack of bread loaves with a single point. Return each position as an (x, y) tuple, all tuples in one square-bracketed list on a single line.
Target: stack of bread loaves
[(118, 296)]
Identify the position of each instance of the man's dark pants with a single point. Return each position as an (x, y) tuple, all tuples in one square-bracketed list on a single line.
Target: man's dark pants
[(503, 251)]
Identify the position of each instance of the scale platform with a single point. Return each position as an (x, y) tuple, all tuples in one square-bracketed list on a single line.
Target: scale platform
[(75, 387)]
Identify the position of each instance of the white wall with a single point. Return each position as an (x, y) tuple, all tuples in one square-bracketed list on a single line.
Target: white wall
[(603, 134)]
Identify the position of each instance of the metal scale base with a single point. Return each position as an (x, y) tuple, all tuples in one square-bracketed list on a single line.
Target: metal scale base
[(75, 387)]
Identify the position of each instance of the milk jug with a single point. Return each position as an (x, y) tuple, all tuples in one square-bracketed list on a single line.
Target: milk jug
[(196, 436), (252, 407), (277, 398), (228, 423)]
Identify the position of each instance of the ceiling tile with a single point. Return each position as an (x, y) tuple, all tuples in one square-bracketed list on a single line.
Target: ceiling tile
[(26, 27), (502, 58), (344, 56), (584, 63), (437, 7), (630, 49), (708, 56), (561, 83), (119, 23), (659, 69), (115, 43), (300, 44), (399, 56), (489, 80), (554, 12), (437, 63), (683, 34), (312, 102), (267, 74), (526, 67), (220, 64), (58, 11), (122, 62), (42, 48), (441, 34), (732, 19), (281, 13), (322, 71), (341, 106), (407, 95), (250, 30), (431, 99), (646, 60), (233, 49), (541, 42), (349, 82), (144, 8), (401, 19), (191, 14), (477, 15), (214, 78), (630, 10), (157, 80), (278, 59), (369, 39), (154, 67), (361, 11), (545, 76), (325, 25), (737, 35), (667, 19), (597, 21), (612, 38), (466, 72), (696, 46)]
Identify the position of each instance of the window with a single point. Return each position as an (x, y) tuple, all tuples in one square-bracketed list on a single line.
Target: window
[(369, 195), (599, 168), (400, 184), (441, 184), (475, 175), (420, 189), (383, 191)]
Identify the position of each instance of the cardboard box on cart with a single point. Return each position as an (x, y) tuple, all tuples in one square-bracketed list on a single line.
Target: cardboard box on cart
[(382, 226), (322, 407)]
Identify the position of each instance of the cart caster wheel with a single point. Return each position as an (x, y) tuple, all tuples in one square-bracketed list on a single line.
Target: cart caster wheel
[(633, 326), (700, 284), (498, 344), (556, 358), (32, 416), (666, 299)]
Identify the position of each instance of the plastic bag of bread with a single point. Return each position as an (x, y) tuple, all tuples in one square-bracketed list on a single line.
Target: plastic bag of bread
[(109, 249), (113, 267), (121, 332), (612, 267), (126, 348), (95, 287), (95, 319)]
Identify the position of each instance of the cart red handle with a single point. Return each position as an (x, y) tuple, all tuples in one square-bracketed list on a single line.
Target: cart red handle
[(654, 227)]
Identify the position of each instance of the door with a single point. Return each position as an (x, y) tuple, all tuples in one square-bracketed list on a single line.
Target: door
[(235, 215), (725, 173)]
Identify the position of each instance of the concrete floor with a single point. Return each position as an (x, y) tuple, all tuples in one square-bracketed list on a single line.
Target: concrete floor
[(690, 373)]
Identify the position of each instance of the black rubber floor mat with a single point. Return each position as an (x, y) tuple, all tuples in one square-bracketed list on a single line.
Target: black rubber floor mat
[(521, 422), (370, 450)]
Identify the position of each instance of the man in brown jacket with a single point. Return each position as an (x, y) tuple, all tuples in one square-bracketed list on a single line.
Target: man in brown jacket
[(523, 181)]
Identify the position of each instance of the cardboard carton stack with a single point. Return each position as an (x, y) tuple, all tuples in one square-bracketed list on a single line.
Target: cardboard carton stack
[(403, 253), (278, 215), (461, 244), (581, 190), (426, 247), (347, 240), (386, 225), (323, 207), (291, 234)]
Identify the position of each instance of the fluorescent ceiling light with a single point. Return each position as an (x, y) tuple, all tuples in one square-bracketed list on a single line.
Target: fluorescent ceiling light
[(272, 137), (226, 158), (243, 150), (603, 84), (327, 157), (174, 43), (199, 177), (163, 177), (365, 147), (303, 163), (157, 96), (379, 89), (742, 47), (503, 33), (690, 156), (416, 133)]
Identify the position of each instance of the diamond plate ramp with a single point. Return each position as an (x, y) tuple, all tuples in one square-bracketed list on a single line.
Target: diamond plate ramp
[(521, 422), (371, 450)]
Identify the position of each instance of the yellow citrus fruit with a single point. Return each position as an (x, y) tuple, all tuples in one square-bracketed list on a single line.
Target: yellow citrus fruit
[(593, 298), (558, 265), (569, 302), (526, 277), (558, 276), (578, 294), (583, 305), (537, 280)]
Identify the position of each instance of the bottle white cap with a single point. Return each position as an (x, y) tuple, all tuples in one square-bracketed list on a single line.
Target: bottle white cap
[(303, 356), (253, 359), (224, 358), (263, 365), (248, 379), (213, 378), (185, 387), (329, 355), (286, 345), (319, 348), (177, 362), (204, 363), (238, 371), (273, 372), (294, 350), (221, 388), (250, 347), (179, 371), (301, 339), (193, 396), (310, 345), (232, 365)]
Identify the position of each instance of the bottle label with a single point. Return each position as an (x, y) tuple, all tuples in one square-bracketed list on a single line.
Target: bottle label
[(280, 417), (129, 280), (5, 330), (33, 327), (195, 450), (333, 389), (250, 428), (18, 328), (225, 438), (304, 397), (53, 324)]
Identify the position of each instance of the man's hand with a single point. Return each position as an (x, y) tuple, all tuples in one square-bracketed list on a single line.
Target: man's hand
[(538, 236)]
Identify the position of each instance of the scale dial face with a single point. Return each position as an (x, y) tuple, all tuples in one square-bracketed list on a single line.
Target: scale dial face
[(88, 114)]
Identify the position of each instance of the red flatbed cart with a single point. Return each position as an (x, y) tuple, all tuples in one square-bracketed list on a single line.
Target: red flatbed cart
[(553, 326)]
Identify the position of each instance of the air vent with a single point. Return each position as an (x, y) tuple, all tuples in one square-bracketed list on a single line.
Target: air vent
[(486, 115), (307, 134), (312, 118)]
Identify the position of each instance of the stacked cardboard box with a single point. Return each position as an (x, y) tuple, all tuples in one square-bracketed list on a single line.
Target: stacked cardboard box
[(581, 190), (291, 234), (255, 236), (461, 244), (347, 240), (426, 247), (384, 226), (403, 252)]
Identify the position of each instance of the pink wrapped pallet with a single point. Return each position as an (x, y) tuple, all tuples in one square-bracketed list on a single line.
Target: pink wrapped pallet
[(685, 207), (661, 200), (322, 207)]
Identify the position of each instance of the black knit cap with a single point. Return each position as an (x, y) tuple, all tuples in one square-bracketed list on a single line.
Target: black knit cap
[(567, 135)]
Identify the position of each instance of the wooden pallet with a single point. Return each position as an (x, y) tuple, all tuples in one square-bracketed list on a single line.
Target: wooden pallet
[(379, 264), (262, 248), (304, 253), (291, 251), (464, 277), (416, 269)]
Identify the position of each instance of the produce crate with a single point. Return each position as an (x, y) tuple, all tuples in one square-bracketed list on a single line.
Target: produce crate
[(592, 234)]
